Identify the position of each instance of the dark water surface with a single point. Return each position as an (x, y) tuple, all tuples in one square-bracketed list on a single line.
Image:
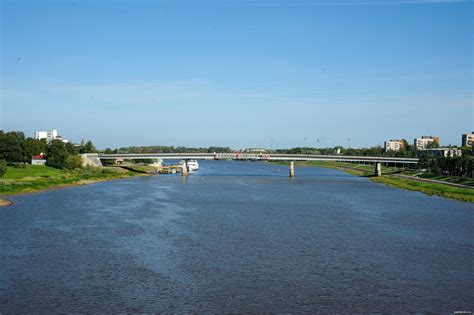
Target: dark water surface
[(237, 237)]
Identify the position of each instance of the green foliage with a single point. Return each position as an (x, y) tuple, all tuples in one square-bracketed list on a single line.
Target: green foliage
[(3, 167), (15, 148), (88, 147), (462, 166), (12, 147), (463, 194), (169, 149), (71, 149), (73, 162), (108, 162), (37, 178), (57, 154), (31, 171), (144, 161), (20, 165), (467, 150), (34, 147)]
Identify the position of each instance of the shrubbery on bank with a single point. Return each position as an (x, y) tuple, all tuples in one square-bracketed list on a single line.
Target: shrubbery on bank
[(462, 166), (38, 178), (3, 167), (17, 150)]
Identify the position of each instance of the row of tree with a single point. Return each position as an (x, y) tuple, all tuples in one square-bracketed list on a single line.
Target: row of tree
[(168, 149), (407, 151), (15, 148), (462, 166)]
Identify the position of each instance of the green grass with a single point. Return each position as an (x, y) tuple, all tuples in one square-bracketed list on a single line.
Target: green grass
[(450, 179), (38, 178), (458, 193), (139, 168), (30, 171), (463, 194)]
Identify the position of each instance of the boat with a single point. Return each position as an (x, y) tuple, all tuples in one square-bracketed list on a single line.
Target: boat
[(192, 165)]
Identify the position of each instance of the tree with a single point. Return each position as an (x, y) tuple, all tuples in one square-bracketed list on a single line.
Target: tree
[(57, 154), (467, 150), (3, 167), (34, 147), (12, 147), (73, 162), (88, 148), (70, 148)]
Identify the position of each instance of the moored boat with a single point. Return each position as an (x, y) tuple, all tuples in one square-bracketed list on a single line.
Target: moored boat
[(192, 165)]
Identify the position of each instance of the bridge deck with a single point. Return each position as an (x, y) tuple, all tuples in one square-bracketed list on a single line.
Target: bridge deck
[(258, 157)]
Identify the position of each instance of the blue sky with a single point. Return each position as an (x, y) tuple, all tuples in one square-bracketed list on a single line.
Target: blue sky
[(238, 73)]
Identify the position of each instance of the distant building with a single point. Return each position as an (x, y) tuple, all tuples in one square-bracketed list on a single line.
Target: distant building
[(468, 139), (426, 142), (444, 152), (41, 135), (38, 160), (49, 136), (394, 145)]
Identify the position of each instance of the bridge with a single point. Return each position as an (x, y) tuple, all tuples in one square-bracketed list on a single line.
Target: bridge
[(95, 158)]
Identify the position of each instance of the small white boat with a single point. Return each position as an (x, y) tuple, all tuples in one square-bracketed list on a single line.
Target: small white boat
[(192, 165)]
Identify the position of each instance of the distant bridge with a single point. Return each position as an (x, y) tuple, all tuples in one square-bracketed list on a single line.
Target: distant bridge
[(377, 160), (255, 157)]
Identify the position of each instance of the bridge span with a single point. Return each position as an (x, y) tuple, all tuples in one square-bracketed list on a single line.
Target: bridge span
[(377, 160), (253, 157)]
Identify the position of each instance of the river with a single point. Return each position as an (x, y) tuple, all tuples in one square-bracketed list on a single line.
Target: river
[(236, 237)]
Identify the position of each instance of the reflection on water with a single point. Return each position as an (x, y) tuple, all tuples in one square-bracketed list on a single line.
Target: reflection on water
[(236, 237)]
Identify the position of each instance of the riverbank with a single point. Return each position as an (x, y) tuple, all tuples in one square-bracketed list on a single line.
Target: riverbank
[(42, 178), (391, 178)]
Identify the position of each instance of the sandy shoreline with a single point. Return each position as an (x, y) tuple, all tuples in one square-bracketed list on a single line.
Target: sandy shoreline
[(5, 202)]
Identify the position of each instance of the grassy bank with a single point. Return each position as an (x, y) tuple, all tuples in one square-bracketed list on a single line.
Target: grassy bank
[(444, 178), (458, 193), (438, 189), (37, 178), (136, 168)]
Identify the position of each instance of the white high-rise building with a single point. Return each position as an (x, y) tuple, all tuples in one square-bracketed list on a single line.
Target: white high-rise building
[(52, 134), (41, 135), (425, 142), (49, 136), (393, 145), (468, 139)]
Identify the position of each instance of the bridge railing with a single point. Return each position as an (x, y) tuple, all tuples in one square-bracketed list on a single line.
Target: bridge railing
[(258, 157)]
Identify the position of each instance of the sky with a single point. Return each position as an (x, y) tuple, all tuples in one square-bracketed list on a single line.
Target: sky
[(248, 73)]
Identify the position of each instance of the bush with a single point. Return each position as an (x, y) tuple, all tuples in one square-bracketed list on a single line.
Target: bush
[(57, 154), (73, 162), (108, 171), (20, 165), (3, 167)]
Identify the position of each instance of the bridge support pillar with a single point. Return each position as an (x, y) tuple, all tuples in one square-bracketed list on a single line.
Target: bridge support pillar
[(378, 169), (184, 169), (292, 169)]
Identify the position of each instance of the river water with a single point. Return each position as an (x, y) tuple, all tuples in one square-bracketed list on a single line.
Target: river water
[(237, 237)]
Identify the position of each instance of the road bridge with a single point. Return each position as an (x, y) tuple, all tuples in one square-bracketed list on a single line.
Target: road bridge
[(377, 160)]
